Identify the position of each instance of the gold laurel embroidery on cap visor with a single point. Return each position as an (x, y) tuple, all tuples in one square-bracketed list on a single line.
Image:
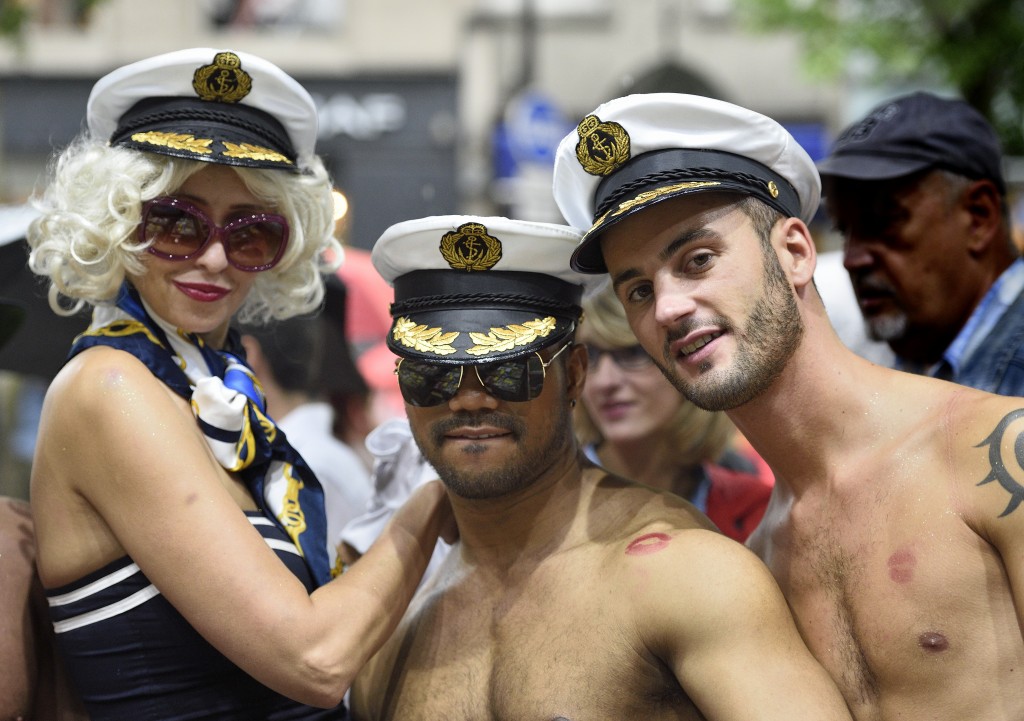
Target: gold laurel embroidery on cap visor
[(512, 335), (648, 195), (247, 151), (603, 147), (470, 247), (422, 338), (175, 141), (223, 81)]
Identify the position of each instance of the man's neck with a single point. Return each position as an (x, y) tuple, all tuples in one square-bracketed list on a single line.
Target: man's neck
[(812, 418), (524, 525)]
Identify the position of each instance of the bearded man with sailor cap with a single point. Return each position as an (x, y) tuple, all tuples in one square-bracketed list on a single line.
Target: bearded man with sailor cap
[(894, 528)]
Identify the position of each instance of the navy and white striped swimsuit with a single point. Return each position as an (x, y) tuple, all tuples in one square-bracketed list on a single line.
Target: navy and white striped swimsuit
[(133, 656)]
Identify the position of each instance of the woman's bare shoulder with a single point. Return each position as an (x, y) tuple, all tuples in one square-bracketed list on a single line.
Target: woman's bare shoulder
[(97, 379), (104, 397)]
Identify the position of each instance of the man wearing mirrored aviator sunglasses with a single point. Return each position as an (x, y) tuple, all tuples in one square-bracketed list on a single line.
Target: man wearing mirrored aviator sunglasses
[(571, 593)]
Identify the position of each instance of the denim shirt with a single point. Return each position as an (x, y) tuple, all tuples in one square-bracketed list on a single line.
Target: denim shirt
[(988, 353)]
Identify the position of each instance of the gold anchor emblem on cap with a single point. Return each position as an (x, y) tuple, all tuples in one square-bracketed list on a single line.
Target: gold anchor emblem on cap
[(603, 146), (223, 80), (470, 247)]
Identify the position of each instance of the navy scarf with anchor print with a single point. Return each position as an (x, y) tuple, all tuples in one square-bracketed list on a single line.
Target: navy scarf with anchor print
[(230, 410)]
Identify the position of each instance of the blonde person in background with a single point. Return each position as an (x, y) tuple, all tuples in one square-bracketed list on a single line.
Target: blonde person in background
[(633, 423)]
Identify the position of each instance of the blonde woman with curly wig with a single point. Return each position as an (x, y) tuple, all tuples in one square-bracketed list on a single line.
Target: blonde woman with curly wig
[(181, 538)]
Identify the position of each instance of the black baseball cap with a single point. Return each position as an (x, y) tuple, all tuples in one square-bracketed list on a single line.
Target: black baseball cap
[(917, 132)]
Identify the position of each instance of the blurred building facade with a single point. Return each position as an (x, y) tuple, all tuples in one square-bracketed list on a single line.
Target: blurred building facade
[(426, 108), (447, 106)]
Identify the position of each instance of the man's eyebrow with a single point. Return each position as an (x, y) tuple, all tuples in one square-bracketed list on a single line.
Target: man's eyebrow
[(689, 236), (626, 275), (666, 253)]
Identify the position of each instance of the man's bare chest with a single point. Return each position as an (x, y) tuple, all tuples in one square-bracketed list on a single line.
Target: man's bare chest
[(886, 582), (547, 653)]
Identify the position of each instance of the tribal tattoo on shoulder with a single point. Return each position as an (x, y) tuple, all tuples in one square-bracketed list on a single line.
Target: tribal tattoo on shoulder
[(1008, 473)]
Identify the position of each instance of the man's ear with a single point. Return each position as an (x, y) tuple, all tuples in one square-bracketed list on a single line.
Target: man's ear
[(984, 207), (797, 253), (576, 371)]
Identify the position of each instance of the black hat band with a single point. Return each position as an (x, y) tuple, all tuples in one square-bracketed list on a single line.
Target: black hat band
[(431, 290), (660, 167), (152, 113)]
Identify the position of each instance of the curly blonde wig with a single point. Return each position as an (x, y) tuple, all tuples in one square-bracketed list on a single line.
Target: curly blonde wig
[(85, 238)]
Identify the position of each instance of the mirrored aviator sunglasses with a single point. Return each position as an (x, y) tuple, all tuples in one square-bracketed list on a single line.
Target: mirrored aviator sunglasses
[(517, 380), (178, 230)]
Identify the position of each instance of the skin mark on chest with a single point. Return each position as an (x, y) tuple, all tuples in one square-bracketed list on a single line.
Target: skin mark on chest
[(901, 565), (647, 544)]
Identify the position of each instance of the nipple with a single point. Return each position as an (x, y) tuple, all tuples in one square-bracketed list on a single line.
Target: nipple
[(933, 642)]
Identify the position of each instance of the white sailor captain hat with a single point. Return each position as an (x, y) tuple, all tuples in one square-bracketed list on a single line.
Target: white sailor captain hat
[(641, 149), (471, 289), (221, 106)]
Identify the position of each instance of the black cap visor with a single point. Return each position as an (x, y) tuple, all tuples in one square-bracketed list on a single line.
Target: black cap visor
[(458, 318), (226, 133)]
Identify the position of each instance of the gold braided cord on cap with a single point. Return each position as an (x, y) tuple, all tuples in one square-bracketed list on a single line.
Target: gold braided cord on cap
[(175, 141), (253, 152), (422, 338), (502, 339), (649, 195)]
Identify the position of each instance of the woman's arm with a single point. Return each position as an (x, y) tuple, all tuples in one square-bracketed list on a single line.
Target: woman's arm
[(123, 468)]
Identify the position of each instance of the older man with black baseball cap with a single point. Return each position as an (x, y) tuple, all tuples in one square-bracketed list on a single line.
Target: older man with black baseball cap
[(916, 189)]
